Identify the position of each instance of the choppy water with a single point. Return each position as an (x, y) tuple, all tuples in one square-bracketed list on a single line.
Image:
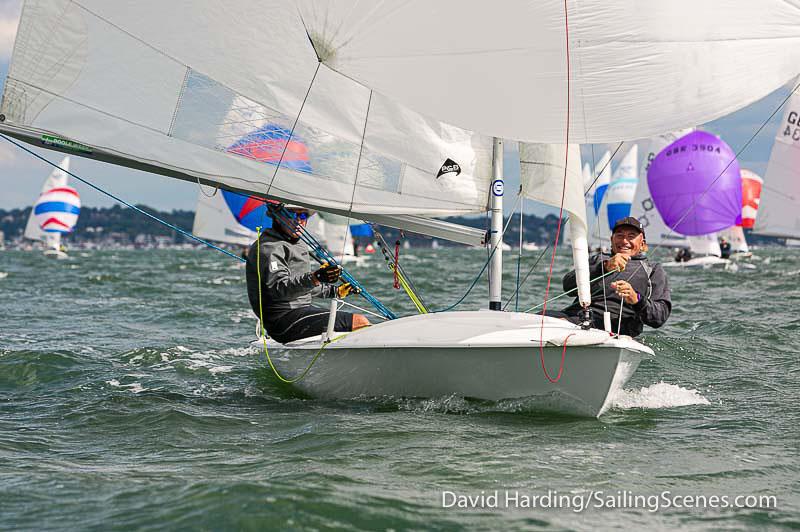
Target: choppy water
[(130, 398)]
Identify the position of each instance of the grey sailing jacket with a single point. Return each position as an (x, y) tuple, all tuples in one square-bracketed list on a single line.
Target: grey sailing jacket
[(649, 280), (286, 282)]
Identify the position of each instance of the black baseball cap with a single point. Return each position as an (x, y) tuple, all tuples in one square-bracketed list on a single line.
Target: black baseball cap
[(629, 221)]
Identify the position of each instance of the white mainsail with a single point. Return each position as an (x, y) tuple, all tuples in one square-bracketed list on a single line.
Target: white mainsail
[(735, 235), (598, 218), (644, 208), (779, 209), (622, 189), (214, 220), (704, 245)]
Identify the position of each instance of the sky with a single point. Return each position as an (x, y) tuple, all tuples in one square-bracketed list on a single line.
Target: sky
[(22, 175)]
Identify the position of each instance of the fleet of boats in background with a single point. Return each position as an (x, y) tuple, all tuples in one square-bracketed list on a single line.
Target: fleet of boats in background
[(691, 200)]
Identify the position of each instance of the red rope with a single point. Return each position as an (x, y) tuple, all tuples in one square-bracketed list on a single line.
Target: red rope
[(558, 227), (396, 264)]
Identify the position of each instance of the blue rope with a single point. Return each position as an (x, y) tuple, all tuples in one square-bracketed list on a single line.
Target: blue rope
[(110, 195)]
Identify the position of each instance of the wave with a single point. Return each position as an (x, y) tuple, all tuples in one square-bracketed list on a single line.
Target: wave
[(656, 396)]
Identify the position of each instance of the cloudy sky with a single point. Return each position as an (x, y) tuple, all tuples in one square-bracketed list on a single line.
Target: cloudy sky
[(21, 175)]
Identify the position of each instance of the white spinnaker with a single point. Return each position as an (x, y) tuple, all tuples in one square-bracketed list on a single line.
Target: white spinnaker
[(58, 178), (213, 220), (779, 209), (542, 176), (636, 71), (704, 245), (644, 208), (177, 85)]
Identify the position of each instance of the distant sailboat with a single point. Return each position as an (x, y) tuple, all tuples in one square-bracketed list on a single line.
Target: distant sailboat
[(677, 203), (55, 212), (779, 208), (751, 197)]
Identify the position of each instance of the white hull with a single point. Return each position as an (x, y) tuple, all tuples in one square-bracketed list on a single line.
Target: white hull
[(699, 262), (484, 355), (55, 254)]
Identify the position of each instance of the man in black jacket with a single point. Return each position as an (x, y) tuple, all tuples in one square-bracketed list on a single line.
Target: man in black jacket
[(287, 284), (637, 287)]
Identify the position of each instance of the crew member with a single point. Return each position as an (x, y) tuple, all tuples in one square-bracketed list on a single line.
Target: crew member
[(637, 287), (287, 284)]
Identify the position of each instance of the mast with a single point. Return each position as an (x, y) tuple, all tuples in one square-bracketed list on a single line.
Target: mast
[(496, 232)]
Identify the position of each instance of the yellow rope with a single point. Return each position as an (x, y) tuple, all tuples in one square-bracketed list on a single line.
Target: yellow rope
[(261, 324), (414, 299)]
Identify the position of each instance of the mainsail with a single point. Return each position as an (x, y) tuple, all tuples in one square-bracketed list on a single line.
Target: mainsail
[(779, 211), (622, 188)]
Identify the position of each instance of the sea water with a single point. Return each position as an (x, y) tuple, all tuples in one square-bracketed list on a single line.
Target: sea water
[(130, 398)]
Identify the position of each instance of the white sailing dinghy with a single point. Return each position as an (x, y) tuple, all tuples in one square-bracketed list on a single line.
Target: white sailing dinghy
[(55, 212), (779, 208), (368, 122)]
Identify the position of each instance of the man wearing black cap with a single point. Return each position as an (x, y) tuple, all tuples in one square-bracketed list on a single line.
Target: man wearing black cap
[(280, 262), (637, 287)]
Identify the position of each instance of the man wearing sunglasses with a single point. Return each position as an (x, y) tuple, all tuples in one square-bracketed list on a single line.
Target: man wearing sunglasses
[(637, 288), (288, 285)]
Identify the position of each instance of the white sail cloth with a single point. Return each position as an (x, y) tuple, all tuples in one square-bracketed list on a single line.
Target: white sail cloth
[(58, 178), (779, 209), (544, 179), (235, 96), (501, 68)]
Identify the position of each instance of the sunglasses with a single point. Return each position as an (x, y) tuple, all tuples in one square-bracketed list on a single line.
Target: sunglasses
[(301, 216)]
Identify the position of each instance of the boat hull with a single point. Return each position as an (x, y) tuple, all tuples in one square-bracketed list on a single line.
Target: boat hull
[(699, 262), (491, 366)]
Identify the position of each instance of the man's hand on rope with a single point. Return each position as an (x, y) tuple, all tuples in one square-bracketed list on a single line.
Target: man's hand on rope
[(327, 274), (345, 289)]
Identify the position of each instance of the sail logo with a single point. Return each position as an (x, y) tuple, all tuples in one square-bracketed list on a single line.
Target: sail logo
[(449, 167), (792, 130)]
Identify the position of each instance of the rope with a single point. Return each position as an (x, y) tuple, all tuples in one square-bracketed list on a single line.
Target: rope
[(486, 264), (519, 253), (116, 198), (560, 215), (559, 296), (400, 275), (322, 256)]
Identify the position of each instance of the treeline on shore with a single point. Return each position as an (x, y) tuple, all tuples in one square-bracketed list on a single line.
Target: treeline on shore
[(98, 222)]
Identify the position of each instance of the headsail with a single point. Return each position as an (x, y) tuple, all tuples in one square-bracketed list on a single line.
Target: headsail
[(542, 175)]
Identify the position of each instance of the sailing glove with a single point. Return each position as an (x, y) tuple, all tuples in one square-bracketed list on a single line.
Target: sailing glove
[(345, 289), (328, 273)]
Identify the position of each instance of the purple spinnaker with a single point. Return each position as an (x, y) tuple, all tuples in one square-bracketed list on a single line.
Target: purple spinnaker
[(696, 184)]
